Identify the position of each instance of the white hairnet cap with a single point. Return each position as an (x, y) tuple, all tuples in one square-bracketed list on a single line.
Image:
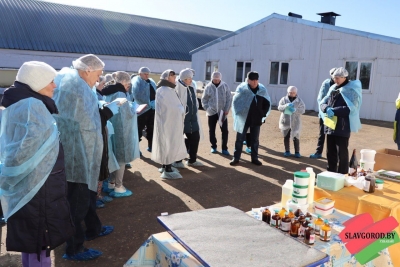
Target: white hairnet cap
[(88, 62), (194, 72), (36, 74), (109, 77), (185, 74), (332, 71), (292, 89), (216, 75), (121, 77), (341, 72), (165, 74), (144, 70)]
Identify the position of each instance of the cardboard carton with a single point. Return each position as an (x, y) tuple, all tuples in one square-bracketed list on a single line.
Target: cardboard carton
[(387, 159)]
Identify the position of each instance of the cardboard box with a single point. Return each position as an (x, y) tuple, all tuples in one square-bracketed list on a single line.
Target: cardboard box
[(387, 159)]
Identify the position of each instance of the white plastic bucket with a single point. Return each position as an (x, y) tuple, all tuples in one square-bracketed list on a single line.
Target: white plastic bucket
[(299, 200), (367, 155), (300, 191), (367, 165)]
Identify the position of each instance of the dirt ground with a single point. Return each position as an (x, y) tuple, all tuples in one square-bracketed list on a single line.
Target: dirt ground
[(216, 184)]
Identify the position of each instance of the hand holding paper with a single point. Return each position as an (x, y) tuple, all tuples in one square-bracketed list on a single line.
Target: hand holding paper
[(330, 112)]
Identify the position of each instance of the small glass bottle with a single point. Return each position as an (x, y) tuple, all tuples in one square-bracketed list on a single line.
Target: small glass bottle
[(309, 235), (294, 228), (282, 212), (291, 214), (318, 224), (276, 219), (308, 215), (297, 213), (266, 216), (285, 223), (303, 226), (325, 232)]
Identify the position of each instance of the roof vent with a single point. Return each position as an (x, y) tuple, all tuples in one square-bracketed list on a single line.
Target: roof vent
[(328, 17), (295, 15)]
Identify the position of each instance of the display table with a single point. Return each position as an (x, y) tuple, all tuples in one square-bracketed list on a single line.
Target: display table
[(381, 204), (162, 250)]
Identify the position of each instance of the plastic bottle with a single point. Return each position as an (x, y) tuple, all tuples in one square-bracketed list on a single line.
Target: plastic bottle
[(325, 232), (287, 190), (276, 220), (285, 223), (311, 185), (318, 224), (266, 216)]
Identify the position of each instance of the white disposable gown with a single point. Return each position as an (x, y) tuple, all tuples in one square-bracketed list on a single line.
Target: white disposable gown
[(291, 122)]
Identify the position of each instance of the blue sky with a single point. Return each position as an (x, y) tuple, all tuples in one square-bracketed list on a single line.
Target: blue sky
[(376, 16)]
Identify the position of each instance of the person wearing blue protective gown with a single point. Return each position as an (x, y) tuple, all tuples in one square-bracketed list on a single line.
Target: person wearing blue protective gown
[(144, 92), (343, 101), (125, 140), (321, 94), (82, 124), (250, 107), (33, 186)]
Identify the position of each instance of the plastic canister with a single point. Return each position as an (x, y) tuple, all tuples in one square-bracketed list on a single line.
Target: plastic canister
[(367, 155), (301, 178), (367, 165), (299, 190), (379, 184), (287, 190), (311, 185)]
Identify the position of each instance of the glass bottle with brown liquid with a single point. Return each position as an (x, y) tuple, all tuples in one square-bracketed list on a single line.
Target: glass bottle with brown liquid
[(303, 226), (318, 224), (276, 220), (294, 228), (285, 223), (325, 232), (308, 215), (291, 214), (266, 216), (309, 235), (297, 213)]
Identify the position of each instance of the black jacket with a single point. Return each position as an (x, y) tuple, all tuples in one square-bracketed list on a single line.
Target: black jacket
[(45, 221), (258, 110), (342, 112)]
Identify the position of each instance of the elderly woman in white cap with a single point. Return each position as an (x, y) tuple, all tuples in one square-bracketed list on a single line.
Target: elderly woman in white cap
[(217, 101), (33, 185), (192, 125), (292, 107), (322, 93), (342, 103), (83, 132), (169, 145), (144, 92)]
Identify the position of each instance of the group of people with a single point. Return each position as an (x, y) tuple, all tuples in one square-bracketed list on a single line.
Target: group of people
[(66, 138)]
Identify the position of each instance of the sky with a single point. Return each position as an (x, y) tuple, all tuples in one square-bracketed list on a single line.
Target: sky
[(375, 16)]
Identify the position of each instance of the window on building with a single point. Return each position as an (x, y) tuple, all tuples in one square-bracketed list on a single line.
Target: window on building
[(279, 73), (242, 68), (359, 70), (211, 66)]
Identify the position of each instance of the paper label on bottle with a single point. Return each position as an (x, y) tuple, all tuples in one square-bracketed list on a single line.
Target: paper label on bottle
[(317, 228), (366, 185), (301, 231), (273, 222), (312, 239), (285, 226), (325, 235)]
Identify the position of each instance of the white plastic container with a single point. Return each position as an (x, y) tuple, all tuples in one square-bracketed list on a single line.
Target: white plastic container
[(311, 185), (291, 205), (324, 203), (301, 178), (299, 200), (367, 155), (300, 191), (323, 212), (367, 165), (287, 191)]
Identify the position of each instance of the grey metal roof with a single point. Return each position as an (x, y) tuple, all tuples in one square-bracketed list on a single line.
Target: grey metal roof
[(304, 22), (44, 26)]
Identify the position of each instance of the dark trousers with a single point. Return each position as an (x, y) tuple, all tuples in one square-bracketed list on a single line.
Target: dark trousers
[(82, 202), (192, 145), (240, 137), (146, 120), (248, 140), (337, 149), (296, 143), (212, 123), (321, 137)]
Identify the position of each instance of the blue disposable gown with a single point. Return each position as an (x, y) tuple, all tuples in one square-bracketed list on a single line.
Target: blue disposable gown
[(241, 103), (80, 128), (29, 145), (141, 92), (125, 140), (323, 91), (352, 95)]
